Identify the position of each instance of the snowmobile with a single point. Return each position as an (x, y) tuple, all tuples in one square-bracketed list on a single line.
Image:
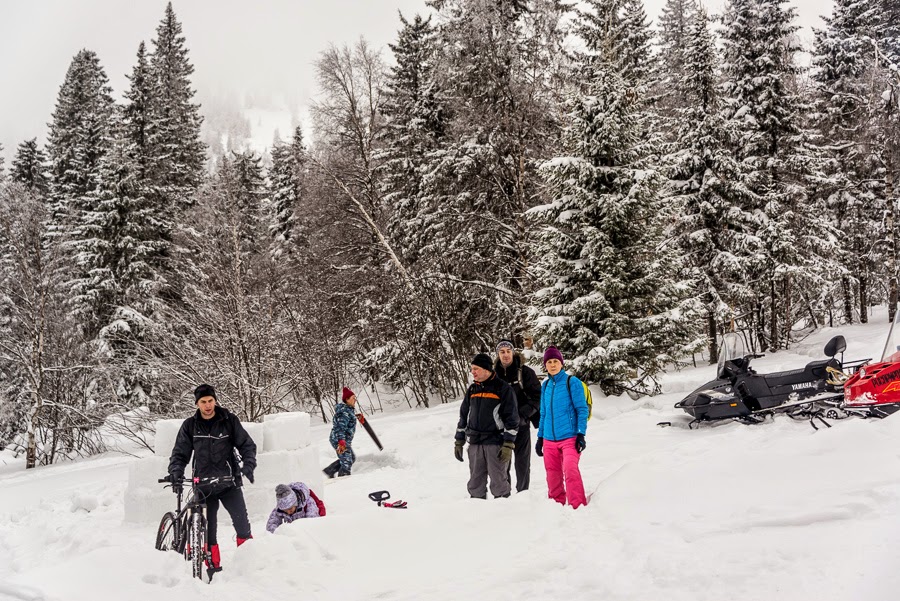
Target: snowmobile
[(874, 390), (740, 393)]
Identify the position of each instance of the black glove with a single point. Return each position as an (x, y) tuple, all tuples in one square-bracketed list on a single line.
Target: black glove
[(579, 443), (176, 478), (248, 472), (458, 449), (539, 447), (506, 451)]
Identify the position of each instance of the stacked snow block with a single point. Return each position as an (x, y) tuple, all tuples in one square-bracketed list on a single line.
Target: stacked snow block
[(145, 499), (166, 433), (283, 455), (285, 431)]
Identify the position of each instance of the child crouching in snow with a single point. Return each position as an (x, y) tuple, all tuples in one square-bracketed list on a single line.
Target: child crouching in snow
[(293, 502)]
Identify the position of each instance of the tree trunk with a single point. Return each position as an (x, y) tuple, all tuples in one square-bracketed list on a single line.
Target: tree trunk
[(890, 263), (773, 314), (760, 326), (847, 291), (713, 341), (788, 318), (863, 298)]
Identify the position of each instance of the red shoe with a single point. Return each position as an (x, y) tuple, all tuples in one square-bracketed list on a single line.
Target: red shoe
[(214, 561), (241, 541)]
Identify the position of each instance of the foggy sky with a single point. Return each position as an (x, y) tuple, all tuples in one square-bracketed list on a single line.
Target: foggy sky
[(265, 46)]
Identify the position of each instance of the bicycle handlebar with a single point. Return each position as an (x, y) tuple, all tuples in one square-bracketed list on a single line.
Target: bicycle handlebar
[(168, 480)]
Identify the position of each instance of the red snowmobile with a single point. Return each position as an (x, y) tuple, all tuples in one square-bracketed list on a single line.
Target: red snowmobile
[(874, 390)]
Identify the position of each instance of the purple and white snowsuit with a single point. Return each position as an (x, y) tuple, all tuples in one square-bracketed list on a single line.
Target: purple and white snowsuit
[(306, 509)]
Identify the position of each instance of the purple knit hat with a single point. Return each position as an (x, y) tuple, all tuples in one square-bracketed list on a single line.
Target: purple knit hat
[(286, 497), (553, 353)]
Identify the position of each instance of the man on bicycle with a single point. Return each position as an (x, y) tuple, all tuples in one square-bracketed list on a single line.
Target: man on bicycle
[(212, 435)]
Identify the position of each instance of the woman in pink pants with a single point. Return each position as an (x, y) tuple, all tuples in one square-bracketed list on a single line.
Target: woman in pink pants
[(564, 414)]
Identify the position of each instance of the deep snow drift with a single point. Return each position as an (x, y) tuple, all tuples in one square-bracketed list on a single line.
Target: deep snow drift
[(726, 512)]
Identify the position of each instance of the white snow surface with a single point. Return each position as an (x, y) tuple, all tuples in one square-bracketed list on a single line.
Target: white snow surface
[(776, 511)]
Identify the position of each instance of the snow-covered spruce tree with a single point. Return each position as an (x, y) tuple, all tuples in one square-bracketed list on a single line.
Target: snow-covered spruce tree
[(78, 139), (617, 32), (177, 154), (842, 82), (888, 32), (714, 230), (158, 213), (138, 116), (497, 64), (2, 161), (239, 180), (120, 257), (286, 188), (608, 298), (762, 99), (29, 167), (416, 120), (635, 42), (669, 64)]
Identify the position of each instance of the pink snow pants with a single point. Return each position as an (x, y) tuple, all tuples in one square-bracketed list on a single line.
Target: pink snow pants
[(561, 463)]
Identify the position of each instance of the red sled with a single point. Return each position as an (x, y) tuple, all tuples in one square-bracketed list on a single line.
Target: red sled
[(874, 389)]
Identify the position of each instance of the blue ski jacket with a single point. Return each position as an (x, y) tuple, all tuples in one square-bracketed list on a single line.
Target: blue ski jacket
[(343, 425), (564, 409)]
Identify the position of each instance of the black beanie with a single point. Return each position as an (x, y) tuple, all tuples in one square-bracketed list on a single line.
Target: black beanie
[(483, 361), (204, 390)]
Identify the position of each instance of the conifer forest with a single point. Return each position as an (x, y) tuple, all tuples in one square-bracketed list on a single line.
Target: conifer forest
[(625, 190)]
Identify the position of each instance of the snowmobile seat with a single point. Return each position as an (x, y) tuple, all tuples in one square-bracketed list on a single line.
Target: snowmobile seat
[(836, 345)]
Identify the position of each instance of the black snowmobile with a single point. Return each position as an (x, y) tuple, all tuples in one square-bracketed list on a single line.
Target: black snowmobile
[(740, 393)]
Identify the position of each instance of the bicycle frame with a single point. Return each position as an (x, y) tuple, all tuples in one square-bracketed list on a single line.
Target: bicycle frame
[(184, 516)]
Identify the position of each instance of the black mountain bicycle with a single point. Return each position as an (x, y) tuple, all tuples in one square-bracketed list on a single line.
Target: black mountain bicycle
[(184, 530)]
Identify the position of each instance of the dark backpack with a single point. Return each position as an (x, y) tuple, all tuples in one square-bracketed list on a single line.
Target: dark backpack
[(535, 418)]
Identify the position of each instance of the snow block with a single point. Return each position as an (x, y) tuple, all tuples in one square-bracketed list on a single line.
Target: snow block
[(257, 433), (145, 499), (166, 433), (286, 431), (280, 467)]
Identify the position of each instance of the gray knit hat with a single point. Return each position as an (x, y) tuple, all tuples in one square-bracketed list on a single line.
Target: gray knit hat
[(286, 497)]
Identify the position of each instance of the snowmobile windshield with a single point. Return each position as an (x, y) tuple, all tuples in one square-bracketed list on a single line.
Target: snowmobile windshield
[(733, 347), (891, 351)]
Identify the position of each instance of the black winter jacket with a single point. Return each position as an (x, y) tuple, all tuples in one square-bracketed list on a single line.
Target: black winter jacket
[(212, 443), (525, 384), (488, 413)]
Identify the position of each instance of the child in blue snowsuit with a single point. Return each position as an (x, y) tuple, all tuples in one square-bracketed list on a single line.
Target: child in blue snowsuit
[(342, 430)]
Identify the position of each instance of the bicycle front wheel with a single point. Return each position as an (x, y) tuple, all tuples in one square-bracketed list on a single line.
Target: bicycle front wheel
[(165, 534), (198, 544)]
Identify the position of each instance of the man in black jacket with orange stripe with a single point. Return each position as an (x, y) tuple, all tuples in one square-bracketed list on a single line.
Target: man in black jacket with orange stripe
[(489, 419)]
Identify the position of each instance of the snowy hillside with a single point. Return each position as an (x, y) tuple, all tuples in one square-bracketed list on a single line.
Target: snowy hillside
[(730, 512)]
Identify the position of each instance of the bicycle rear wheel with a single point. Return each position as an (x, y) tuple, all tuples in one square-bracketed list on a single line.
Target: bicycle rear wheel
[(198, 544), (166, 534)]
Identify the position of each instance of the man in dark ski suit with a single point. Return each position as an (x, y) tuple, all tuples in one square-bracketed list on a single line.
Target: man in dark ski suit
[(489, 420), (211, 435), (510, 367)]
